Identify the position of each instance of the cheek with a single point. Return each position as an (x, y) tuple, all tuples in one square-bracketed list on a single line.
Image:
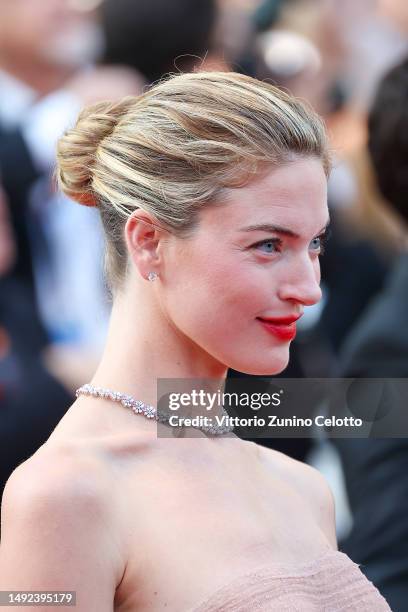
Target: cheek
[(215, 303), (215, 299), (209, 285), (233, 289)]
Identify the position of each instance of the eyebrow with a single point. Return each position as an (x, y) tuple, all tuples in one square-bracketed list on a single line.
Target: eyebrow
[(267, 227)]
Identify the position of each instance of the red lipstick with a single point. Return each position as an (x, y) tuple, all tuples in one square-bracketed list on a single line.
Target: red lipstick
[(283, 328)]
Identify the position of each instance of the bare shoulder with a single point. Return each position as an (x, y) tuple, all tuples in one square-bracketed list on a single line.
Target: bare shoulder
[(61, 478), (313, 487), (51, 465), (58, 525)]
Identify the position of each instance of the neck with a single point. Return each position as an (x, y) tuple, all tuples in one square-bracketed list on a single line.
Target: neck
[(143, 346), (40, 76)]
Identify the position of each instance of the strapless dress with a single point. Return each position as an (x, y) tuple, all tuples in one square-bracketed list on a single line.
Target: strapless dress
[(330, 583)]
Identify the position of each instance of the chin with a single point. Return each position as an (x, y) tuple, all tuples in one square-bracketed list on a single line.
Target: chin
[(271, 366)]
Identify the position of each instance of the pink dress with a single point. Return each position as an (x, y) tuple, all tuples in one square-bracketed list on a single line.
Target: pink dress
[(331, 583)]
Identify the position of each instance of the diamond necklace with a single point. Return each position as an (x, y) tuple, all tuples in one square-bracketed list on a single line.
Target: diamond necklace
[(139, 407)]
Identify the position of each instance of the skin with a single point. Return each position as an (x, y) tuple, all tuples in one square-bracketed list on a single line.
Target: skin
[(158, 523)]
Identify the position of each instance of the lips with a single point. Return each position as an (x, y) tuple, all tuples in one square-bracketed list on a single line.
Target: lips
[(280, 320), (283, 328)]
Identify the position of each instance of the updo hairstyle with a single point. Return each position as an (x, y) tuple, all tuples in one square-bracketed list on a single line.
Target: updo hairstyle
[(175, 148)]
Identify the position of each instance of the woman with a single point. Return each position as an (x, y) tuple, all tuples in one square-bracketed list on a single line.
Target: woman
[(212, 192)]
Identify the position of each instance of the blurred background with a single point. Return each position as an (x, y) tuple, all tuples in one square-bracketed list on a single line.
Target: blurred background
[(59, 55)]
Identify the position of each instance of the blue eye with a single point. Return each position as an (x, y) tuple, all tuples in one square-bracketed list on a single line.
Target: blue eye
[(319, 243), (316, 243), (270, 244)]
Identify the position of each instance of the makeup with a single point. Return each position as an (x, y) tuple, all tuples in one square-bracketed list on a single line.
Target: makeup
[(283, 328)]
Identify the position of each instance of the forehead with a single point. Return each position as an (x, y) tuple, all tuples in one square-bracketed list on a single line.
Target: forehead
[(293, 196)]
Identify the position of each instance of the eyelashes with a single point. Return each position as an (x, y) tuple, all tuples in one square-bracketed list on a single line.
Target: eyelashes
[(277, 243), (324, 237)]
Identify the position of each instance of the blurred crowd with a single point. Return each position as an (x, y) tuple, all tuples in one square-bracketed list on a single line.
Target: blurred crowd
[(58, 55)]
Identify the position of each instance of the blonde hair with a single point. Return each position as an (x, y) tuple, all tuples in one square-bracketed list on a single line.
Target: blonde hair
[(175, 148)]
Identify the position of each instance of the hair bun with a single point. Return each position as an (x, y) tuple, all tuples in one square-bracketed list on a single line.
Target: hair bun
[(76, 149)]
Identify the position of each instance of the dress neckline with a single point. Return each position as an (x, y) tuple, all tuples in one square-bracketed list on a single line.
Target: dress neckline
[(276, 569), (266, 581), (293, 567)]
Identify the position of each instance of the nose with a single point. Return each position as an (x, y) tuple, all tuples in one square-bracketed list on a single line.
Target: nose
[(300, 281)]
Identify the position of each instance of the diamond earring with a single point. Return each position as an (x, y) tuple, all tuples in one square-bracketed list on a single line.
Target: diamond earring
[(152, 276)]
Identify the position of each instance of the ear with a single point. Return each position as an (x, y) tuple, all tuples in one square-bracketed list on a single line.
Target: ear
[(143, 237)]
